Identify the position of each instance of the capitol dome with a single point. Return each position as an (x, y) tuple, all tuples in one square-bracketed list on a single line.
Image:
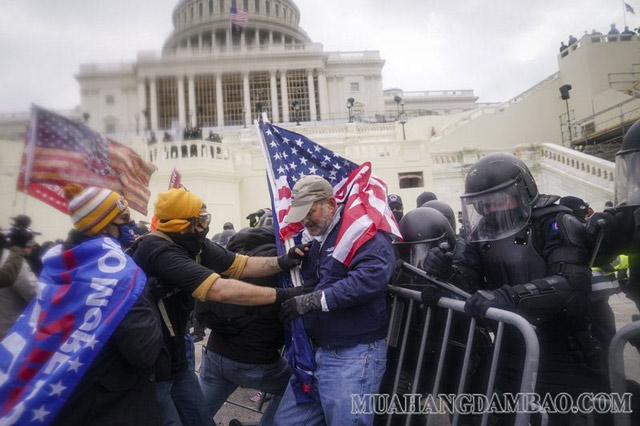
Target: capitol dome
[(205, 24)]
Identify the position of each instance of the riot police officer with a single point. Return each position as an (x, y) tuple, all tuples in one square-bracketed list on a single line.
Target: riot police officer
[(526, 253)]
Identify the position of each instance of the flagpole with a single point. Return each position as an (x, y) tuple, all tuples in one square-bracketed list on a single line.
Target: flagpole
[(296, 279), (624, 12), (30, 151)]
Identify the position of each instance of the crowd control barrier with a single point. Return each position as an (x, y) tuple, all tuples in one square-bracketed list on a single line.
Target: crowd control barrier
[(617, 375), (405, 301)]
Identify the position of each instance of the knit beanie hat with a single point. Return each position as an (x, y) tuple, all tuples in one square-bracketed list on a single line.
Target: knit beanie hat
[(92, 209), (174, 207)]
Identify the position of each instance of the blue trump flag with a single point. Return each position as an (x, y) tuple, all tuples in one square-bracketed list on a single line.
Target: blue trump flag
[(83, 294)]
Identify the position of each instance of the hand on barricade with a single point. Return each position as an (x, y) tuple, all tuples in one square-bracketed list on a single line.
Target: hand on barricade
[(480, 301), (432, 294), (300, 305), (294, 256), (438, 261)]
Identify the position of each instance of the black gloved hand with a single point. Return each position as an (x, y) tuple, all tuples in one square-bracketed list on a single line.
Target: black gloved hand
[(293, 257), (283, 294), (481, 300), (438, 261), (432, 294), (300, 305)]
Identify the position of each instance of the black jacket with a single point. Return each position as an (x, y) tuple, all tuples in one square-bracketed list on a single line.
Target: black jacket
[(248, 334)]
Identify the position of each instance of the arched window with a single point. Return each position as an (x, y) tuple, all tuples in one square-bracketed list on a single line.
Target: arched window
[(174, 152), (210, 7), (277, 9), (191, 13), (194, 151), (185, 151), (257, 5), (200, 10), (267, 8), (233, 4), (221, 6), (245, 5)]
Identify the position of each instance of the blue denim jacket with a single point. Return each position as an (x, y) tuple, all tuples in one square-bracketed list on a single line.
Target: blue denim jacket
[(354, 295)]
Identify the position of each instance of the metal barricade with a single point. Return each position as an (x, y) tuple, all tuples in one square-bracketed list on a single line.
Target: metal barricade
[(616, 366), (530, 366)]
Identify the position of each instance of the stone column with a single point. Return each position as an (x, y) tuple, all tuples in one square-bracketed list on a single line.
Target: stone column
[(200, 46), (192, 101), (219, 106), (312, 96), (323, 94), (284, 93), (153, 98), (181, 104), (142, 105), (270, 37), (275, 115), (243, 42), (257, 40), (247, 98), (228, 41)]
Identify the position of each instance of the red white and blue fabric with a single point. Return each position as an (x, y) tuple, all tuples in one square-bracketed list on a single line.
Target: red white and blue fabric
[(292, 156), (83, 294)]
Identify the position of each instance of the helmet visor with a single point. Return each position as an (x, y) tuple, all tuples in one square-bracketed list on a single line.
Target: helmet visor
[(627, 183), (495, 215)]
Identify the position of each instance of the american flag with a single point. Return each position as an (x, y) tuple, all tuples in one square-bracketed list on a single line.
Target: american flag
[(238, 17), (60, 151), (292, 156)]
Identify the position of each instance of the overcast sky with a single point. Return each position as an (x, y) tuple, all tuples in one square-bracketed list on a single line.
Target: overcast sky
[(499, 48)]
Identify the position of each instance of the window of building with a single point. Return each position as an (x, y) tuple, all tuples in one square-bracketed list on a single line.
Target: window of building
[(260, 93), (191, 13), (245, 5), (206, 99), (277, 9), (298, 88), (257, 5), (234, 4), (110, 99), (110, 127), (411, 180), (355, 87), (167, 89), (221, 6), (232, 99), (201, 10), (267, 8), (210, 7)]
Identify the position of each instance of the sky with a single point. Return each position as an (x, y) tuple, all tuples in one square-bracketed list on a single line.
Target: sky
[(498, 48)]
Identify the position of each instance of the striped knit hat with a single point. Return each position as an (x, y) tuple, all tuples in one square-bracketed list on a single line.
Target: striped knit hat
[(92, 209)]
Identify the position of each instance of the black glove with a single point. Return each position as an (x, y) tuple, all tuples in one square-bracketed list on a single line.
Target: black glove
[(432, 294), (481, 300), (292, 258), (438, 261), (300, 305), (283, 294)]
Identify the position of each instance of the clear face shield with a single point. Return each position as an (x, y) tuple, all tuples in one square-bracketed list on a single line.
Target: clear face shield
[(627, 182), (497, 214), (415, 253)]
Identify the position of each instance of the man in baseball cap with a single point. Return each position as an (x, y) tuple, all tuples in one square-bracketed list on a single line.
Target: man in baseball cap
[(304, 193), (396, 206)]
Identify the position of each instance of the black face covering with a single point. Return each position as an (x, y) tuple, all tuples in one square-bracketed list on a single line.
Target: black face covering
[(190, 242), (398, 215), (202, 235)]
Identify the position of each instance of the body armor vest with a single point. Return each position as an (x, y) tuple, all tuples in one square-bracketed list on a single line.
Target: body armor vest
[(513, 260)]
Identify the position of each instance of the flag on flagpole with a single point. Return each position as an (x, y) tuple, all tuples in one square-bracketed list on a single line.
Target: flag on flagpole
[(628, 8), (289, 157), (239, 18), (60, 151)]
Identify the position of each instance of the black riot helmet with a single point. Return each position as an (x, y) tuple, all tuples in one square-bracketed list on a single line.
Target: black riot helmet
[(445, 209), (627, 181), (499, 193), (422, 229)]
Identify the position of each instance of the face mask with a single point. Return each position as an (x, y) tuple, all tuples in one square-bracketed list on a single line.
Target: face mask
[(190, 242), (202, 235), (127, 234)]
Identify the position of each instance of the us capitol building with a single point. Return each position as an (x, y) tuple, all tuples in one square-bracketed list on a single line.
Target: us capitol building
[(210, 76)]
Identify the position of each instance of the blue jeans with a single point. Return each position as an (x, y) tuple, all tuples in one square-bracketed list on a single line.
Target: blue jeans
[(340, 373), (180, 401), (220, 377)]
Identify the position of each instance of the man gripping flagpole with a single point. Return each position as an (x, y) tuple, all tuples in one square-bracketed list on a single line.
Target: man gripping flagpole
[(340, 207)]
